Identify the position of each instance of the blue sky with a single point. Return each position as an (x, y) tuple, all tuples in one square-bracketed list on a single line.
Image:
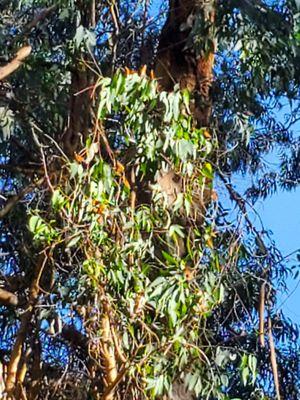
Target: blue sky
[(281, 214)]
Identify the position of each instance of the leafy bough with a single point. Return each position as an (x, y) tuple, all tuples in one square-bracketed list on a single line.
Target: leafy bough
[(151, 303)]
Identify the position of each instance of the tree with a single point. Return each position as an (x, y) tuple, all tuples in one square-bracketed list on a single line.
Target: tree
[(124, 274)]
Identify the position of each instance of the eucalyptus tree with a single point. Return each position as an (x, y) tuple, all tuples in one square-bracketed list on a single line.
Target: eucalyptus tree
[(124, 273)]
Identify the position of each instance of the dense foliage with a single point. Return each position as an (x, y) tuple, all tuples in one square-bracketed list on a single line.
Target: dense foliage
[(131, 266)]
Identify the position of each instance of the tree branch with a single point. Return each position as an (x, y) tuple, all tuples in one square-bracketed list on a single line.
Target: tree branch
[(8, 298), (13, 200), (39, 17), (261, 332), (9, 68), (273, 359), (25, 169), (17, 351)]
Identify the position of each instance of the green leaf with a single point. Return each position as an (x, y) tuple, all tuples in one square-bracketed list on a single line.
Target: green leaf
[(91, 152), (169, 258), (159, 387), (90, 39), (191, 381), (245, 375), (175, 105), (79, 36), (57, 199), (73, 169), (157, 291), (178, 202), (207, 170), (186, 99), (34, 223), (185, 148), (72, 242), (7, 121), (173, 306), (176, 230)]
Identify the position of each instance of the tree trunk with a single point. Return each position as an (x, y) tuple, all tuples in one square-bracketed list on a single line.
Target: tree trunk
[(179, 62)]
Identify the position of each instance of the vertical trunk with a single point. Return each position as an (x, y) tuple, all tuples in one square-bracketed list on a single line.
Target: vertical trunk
[(174, 64), (205, 65), (81, 79), (178, 61), (79, 109)]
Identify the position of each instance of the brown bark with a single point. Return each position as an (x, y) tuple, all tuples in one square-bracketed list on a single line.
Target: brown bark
[(108, 356), (262, 297), (35, 370), (79, 110), (178, 61), (7, 298), (203, 110), (12, 66), (15, 363), (173, 63), (16, 354), (81, 81), (273, 360), (2, 380), (22, 370)]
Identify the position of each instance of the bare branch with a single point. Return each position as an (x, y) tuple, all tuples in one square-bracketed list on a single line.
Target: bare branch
[(39, 17), (16, 198), (9, 68), (273, 359), (261, 332), (25, 169), (8, 298)]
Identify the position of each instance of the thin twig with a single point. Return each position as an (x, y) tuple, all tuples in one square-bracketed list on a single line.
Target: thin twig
[(261, 332)]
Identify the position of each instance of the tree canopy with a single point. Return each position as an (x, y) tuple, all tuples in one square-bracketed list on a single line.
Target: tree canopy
[(132, 267)]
